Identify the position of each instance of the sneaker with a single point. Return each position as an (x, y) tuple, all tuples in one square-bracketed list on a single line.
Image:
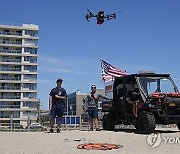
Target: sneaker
[(58, 130), (97, 129), (51, 131), (91, 129)]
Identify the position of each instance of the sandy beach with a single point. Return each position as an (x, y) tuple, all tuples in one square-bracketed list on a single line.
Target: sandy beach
[(67, 141)]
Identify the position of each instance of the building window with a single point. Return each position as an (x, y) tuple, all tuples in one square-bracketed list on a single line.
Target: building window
[(31, 41), (31, 50), (29, 113), (29, 104), (31, 33)]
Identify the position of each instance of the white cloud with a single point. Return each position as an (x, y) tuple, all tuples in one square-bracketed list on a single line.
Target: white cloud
[(58, 70), (44, 81), (80, 66), (48, 59)]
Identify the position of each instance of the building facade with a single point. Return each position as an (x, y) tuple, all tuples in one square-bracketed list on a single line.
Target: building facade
[(74, 103), (18, 73)]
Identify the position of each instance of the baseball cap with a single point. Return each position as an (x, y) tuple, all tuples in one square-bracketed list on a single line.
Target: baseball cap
[(59, 80)]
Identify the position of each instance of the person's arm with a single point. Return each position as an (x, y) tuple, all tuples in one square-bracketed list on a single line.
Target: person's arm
[(84, 104), (50, 102), (61, 97), (104, 97)]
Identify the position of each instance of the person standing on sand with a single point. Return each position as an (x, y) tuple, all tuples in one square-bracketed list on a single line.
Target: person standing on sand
[(90, 103), (57, 101)]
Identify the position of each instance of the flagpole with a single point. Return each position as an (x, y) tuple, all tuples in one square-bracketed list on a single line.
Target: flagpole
[(102, 69)]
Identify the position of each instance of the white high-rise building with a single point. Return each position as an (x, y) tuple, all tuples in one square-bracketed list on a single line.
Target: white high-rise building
[(18, 73)]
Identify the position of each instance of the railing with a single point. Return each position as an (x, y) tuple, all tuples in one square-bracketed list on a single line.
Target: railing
[(29, 88), (31, 97), (10, 97), (30, 79), (10, 69), (10, 78), (31, 52), (9, 106), (11, 33), (10, 42), (9, 51), (8, 116), (30, 70), (11, 60), (10, 88), (10, 24), (34, 61)]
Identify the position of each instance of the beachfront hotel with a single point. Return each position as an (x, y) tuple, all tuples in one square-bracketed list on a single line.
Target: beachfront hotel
[(18, 73)]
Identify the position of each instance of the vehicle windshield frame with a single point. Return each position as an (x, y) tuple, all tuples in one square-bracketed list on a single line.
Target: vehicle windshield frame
[(145, 90)]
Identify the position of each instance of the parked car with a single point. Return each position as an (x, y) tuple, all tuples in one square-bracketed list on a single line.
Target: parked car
[(36, 126), (4, 127), (17, 126)]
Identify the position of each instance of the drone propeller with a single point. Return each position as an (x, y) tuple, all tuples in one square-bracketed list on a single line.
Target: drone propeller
[(90, 13), (87, 17)]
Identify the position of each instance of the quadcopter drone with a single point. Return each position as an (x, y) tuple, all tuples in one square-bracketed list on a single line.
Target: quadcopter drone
[(100, 16)]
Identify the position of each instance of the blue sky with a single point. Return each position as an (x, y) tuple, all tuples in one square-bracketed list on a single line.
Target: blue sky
[(145, 36)]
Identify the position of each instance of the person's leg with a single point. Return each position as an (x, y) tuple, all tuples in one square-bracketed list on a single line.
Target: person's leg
[(59, 122), (135, 109), (91, 123), (90, 118), (96, 123), (60, 116), (52, 118), (52, 122), (95, 115)]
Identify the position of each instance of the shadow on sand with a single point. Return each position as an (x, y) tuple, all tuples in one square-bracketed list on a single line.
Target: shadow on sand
[(132, 129)]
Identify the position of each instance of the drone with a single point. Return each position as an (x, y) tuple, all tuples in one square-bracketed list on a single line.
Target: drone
[(100, 16)]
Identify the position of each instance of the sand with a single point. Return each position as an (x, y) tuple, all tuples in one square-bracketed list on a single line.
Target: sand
[(67, 141)]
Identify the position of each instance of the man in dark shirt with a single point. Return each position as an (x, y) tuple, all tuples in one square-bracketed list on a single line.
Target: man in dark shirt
[(57, 101)]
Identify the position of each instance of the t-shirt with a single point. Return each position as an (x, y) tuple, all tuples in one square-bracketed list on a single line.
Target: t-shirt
[(92, 100), (56, 101)]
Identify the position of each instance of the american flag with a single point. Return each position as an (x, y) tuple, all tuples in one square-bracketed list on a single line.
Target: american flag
[(109, 71)]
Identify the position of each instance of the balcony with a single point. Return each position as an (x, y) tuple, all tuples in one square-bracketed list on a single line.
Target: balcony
[(9, 88), (10, 97), (29, 97), (9, 115), (10, 33), (30, 50), (10, 78), (10, 51), (10, 42), (10, 69), (29, 78), (9, 106), (30, 70), (11, 60)]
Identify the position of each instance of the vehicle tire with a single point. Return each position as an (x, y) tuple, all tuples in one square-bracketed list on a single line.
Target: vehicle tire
[(104, 122), (178, 125), (146, 123), (110, 122)]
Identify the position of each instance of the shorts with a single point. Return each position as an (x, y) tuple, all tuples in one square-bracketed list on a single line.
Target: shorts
[(56, 112), (93, 112)]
